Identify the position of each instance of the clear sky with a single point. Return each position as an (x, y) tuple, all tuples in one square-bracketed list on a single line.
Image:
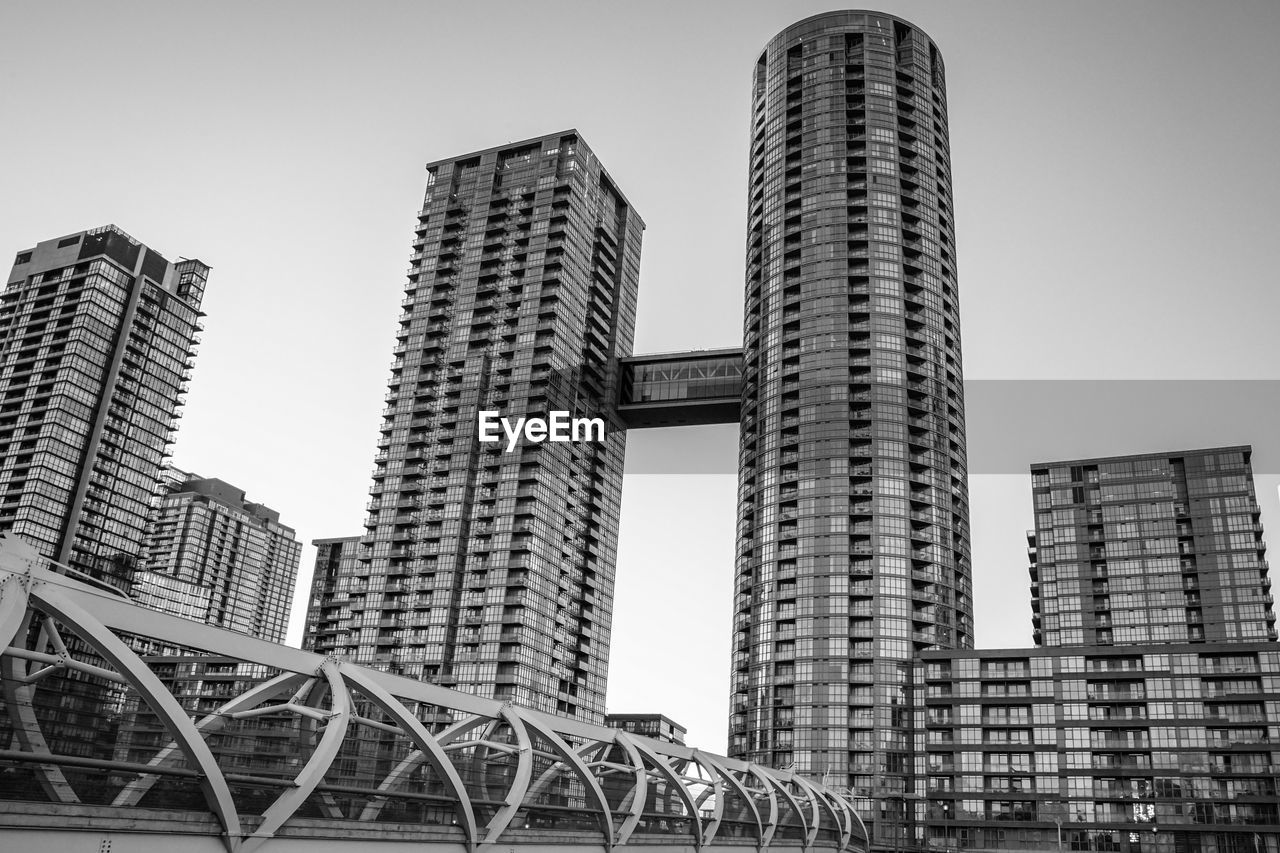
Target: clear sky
[(1116, 191)]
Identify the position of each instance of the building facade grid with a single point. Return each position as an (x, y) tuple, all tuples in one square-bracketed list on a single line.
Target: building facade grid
[(213, 556), (1150, 548), (853, 539), (1156, 748), (97, 336), (482, 569)]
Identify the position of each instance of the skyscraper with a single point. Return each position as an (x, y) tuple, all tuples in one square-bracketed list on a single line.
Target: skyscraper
[(97, 333), (1152, 548), (486, 569), (853, 546), (213, 556)]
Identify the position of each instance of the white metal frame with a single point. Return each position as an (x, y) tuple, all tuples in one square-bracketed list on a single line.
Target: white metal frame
[(32, 587)]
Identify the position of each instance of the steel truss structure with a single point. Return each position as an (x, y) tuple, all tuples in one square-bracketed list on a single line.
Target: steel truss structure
[(450, 768)]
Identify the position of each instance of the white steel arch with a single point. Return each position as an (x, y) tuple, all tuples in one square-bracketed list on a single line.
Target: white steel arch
[(327, 695)]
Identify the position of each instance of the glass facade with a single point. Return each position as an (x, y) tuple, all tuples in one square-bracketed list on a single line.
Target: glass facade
[(482, 569), (1148, 549), (212, 556), (1141, 749), (853, 536), (687, 378), (97, 336), (335, 574), (681, 389)]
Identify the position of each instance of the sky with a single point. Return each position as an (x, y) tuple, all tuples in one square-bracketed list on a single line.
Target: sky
[(1115, 187)]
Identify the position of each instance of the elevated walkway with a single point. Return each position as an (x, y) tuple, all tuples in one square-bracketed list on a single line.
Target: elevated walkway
[(124, 729)]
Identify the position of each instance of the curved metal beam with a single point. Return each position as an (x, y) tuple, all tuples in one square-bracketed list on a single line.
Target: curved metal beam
[(791, 801), (768, 825), (27, 731), (816, 797), (815, 821), (214, 722), (781, 787), (161, 701), (462, 727), (639, 789), (854, 813), (14, 602), (716, 789), (313, 772), (847, 817), (667, 773), (430, 749), (574, 760), (406, 766), (738, 788), (306, 703), (447, 739), (535, 787), (252, 698), (515, 795), (15, 615)]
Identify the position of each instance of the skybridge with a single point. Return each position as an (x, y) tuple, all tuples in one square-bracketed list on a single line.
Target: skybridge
[(681, 388)]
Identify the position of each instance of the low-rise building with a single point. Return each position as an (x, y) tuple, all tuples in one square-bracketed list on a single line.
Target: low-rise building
[(1168, 748)]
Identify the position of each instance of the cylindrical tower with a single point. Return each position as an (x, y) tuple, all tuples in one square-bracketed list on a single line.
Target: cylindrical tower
[(853, 548)]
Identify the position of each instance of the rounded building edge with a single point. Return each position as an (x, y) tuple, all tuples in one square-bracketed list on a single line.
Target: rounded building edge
[(789, 36)]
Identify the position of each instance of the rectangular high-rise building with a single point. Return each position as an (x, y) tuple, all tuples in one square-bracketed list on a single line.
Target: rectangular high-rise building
[(486, 566), (97, 333), (1151, 548), (213, 556)]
